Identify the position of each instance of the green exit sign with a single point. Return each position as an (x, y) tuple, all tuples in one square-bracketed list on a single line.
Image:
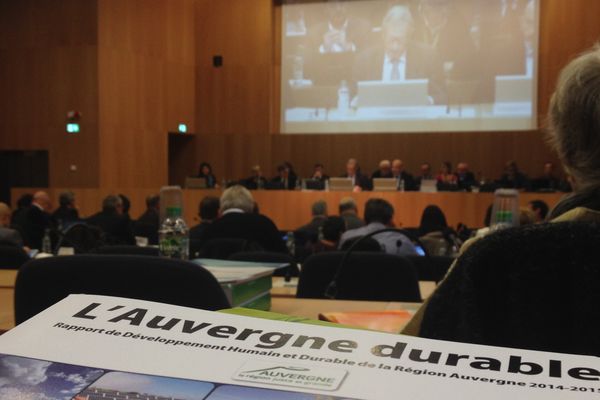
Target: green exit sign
[(72, 128), (182, 128)]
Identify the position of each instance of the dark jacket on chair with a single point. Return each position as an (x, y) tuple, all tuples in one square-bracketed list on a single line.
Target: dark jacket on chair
[(251, 227), (148, 225), (509, 288), (116, 227)]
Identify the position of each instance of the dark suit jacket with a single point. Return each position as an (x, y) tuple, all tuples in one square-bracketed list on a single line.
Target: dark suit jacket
[(148, 225), (198, 232), (410, 183), (36, 223), (65, 216), (310, 231), (251, 183), (291, 182), (251, 227), (117, 228), (361, 180), (379, 174), (466, 181)]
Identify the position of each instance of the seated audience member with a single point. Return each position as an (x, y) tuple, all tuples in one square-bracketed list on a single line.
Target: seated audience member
[(148, 224), (574, 133), (238, 221), (424, 174), (384, 171), (37, 220), (256, 179), (359, 181), (310, 231), (208, 211), (403, 177), (526, 216), (19, 216), (379, 214), (445, 177), (66, 214), (113, 222), (548, 181), (434, 233), (285, 178), (332, 231), (7, 235), (513, 178), (540, 209), (465, 179), (206, 173), (319, 173), (349, 212)]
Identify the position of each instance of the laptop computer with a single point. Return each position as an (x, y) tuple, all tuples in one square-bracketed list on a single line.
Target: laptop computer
[(340, 184), (428, 186), (385, 184), (393, 94), (195, 183), (314, 184)]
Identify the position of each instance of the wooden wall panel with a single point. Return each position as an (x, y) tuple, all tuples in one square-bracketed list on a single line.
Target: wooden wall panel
[(147, 86), (48, 66)]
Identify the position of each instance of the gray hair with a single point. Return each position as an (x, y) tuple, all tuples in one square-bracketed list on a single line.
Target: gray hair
[(574, 118), (347, 203), (111, 202), (319, 208), (237, 197), (397, 15)]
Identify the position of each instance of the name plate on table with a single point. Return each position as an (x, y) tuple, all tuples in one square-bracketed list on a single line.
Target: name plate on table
[(89, 347)]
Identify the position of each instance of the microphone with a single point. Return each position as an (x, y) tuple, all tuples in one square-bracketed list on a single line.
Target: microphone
[(332, 289)]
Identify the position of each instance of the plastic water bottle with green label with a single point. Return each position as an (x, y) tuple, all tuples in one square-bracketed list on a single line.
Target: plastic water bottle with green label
[(173, 235)]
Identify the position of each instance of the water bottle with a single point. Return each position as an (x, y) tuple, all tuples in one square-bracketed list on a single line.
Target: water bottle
[(321, 235), (327, 185), (401, 188), (291, 244), (298, 70), (260, 184), (505, 212), (46, 242), (173, 236), (343, 98)]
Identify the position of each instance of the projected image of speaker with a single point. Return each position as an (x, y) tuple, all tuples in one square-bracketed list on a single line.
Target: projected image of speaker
[(393, 94)]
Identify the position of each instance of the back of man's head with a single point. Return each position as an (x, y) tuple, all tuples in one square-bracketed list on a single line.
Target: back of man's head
[(66, 199), (378, 210), (237, 197), (153, 201), (4, 215), (209, 208), (111, 203), (348, 205), (540, 208), (333, 228), (25, 200), (319, 208)]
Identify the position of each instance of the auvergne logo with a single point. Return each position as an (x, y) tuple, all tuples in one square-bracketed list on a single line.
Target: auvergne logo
[(280, 374)]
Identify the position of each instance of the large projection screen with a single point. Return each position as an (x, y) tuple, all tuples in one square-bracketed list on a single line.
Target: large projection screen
[(361, 66)]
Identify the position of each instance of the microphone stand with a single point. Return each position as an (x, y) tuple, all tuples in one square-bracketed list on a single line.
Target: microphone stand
[(332, 289)]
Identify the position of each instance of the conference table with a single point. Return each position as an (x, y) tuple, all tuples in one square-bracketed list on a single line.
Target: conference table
[(292, 209), (283, 301)]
